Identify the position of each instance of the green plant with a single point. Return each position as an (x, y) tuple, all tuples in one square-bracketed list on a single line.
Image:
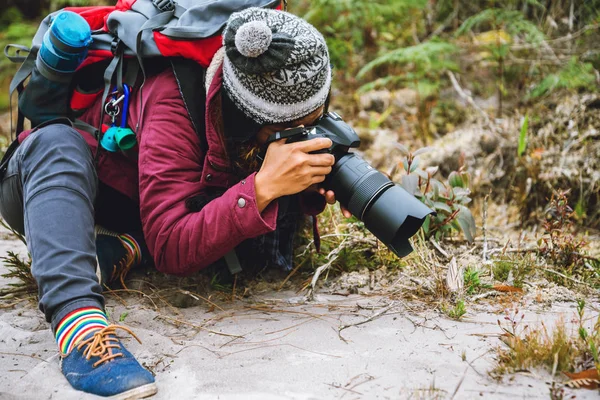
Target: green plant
[(473, 281), (590, 339), (529, 347), (17, 32), (458, 310), (574, 75), (17, 267), (448, 199), (217, 283), (360, 28), (420, 67), (500, 27), (523, 136), (520, 266), (559, 244)]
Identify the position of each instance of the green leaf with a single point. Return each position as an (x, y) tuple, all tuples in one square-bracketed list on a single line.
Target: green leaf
[(455, 180), (466, 177), (426, 225), (123, 316), (436, 190), (431, 171), (422, 174), (523, 136), (466, 222), (442, 206), (414, 164), (403, 149), (410, 183), (422, 150)]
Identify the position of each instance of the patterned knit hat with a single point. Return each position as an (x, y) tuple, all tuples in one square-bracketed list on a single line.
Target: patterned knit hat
[(276, 66)]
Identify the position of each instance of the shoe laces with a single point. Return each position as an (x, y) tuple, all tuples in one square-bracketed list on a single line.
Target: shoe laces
[(104, 344), (122, 268)]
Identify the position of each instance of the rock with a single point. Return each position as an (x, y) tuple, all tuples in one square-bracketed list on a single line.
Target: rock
[(381, 147), (378, 101), (354, 280), (404, 98)]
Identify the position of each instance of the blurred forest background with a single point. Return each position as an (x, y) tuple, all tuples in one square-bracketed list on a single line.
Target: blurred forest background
[(464, 103)]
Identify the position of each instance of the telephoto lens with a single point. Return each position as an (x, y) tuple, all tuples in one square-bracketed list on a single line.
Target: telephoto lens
[(391, 213), (388, 211)]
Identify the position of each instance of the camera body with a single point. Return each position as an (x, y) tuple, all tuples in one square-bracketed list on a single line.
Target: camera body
[(388, 211), (330, 126)]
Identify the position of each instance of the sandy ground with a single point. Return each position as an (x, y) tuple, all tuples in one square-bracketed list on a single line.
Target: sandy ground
[(277, 346)]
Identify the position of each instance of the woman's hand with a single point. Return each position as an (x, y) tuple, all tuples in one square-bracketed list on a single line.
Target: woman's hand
[(330, 199), (289, 168)]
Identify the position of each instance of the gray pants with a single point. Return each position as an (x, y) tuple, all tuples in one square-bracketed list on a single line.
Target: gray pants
[(48, 195)]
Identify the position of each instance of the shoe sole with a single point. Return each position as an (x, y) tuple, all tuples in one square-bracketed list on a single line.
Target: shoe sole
[(137, 393)]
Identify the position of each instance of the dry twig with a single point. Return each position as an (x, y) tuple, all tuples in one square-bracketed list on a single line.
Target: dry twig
[(332, 256), (466, 97), (369, 319), (200, 327)]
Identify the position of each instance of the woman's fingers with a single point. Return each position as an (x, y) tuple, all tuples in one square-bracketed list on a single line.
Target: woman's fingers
[(320, 170), (330, 199), (313, 144), (321, 160), (345, 212)]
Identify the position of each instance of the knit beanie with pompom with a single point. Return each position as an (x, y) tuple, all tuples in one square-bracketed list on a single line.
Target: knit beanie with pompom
[(276, 67)]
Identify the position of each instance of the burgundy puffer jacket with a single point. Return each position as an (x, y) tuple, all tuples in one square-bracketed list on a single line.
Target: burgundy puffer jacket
[(167, 167)]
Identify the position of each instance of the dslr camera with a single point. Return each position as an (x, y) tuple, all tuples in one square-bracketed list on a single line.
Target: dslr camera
[(387, 210)]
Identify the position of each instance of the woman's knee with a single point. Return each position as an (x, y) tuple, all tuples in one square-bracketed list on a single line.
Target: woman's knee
[(56, 156), (58, 139)]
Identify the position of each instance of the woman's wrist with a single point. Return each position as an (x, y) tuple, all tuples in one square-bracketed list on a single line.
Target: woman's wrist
[(263, 192)]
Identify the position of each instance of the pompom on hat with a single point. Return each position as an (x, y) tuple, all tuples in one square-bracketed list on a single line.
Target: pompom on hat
[(276, 67)]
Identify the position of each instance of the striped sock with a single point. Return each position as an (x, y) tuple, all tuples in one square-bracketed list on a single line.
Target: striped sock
[(132, 247), (78, 323)]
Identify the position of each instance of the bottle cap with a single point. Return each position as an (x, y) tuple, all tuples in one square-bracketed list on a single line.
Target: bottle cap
[(71, 29), (125, 138)]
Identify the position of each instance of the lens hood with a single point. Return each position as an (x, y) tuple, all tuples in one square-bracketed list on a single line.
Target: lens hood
[(394, 217)]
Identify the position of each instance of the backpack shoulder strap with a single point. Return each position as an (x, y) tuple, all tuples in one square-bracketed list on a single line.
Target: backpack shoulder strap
[(190, 78)]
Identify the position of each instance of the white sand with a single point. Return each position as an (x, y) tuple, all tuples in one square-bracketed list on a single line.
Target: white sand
[(290, 352)]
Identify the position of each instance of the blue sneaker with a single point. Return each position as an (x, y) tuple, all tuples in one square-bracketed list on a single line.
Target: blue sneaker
[(100, 365)]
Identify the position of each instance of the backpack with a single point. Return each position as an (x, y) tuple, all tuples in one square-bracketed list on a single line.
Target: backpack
[(184, 33)]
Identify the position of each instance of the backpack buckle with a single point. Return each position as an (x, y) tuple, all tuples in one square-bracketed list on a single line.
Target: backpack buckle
[(164, 5), (115, 46)]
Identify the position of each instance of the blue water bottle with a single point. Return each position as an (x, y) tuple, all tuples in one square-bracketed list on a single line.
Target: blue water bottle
[(64, 46)]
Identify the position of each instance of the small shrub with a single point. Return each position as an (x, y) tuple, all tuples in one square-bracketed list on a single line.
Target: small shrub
[(17, 267), (562, 248), (448, 199), (457, 311), (532, 347), (472, 281)]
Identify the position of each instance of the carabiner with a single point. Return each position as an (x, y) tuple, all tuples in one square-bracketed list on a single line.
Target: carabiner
[(126, 92)]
